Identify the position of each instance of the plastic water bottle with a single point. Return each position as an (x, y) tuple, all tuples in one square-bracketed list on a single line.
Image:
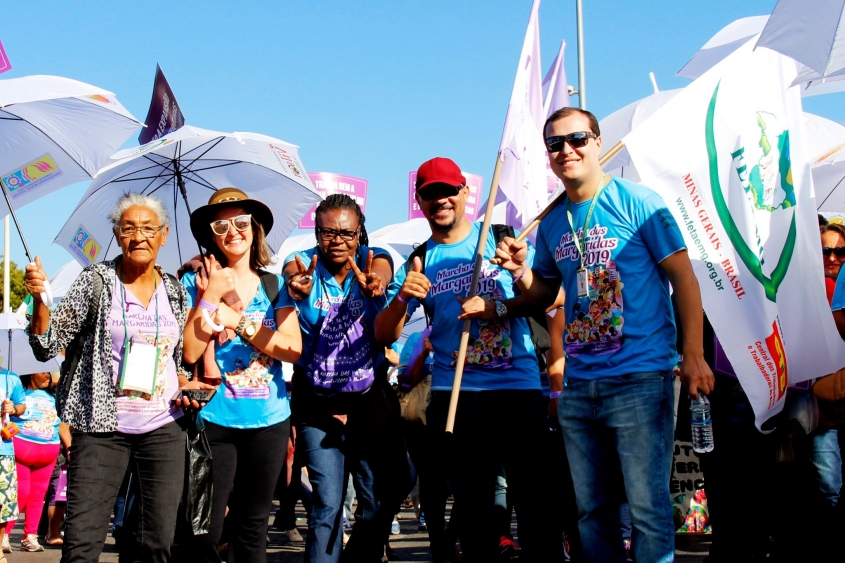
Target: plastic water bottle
[(702, 426)]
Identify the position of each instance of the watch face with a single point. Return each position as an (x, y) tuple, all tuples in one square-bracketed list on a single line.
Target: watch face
[(250, 329), (501, 309)]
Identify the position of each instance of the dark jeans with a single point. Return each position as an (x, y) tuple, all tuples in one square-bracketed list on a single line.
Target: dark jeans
[(98, 462), (434, 488), (491, 427), (375, 454), (246, 463)]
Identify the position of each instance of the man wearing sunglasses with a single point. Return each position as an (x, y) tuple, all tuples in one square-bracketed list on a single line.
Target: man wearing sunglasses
[(501, 417), (616, 248)]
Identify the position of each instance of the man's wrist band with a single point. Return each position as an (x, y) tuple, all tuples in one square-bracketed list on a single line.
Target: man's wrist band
[(401, 300), (522, 273), (555, 394), (203, 304)]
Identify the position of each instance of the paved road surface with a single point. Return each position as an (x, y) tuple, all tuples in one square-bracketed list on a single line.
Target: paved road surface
[(411, 546)]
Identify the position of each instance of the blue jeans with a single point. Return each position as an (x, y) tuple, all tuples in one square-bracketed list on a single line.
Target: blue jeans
[(827, 466), (619, 438), (375, 454)]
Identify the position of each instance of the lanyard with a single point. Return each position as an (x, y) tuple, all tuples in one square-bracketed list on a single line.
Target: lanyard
[(581, 243), (123, 306)]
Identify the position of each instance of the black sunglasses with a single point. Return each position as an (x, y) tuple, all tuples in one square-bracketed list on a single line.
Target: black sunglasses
[(839, 251), (576, 140), (331, 234), (438, 191)]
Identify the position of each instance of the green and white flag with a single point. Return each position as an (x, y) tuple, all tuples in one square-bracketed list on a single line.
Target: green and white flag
[(727, 155)]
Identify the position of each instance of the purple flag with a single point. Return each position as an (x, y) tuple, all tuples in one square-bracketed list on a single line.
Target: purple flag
[(327, 184), (474, 182), (164, 115), (4, 60)]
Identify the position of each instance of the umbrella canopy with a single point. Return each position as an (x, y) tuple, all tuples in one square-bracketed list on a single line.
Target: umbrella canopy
[(403, 237), (810, 34), (307, 241), (18, 358), (55, 132), (183, 169)]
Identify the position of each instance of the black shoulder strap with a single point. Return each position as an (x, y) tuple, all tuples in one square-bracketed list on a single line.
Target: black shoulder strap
[(270, 282), (420, 252)]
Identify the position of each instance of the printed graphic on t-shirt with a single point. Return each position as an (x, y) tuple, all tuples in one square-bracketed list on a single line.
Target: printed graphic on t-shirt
[(252, 381), (597, 322), (44, 427), (493, 347), (136, 402), (598, 330)]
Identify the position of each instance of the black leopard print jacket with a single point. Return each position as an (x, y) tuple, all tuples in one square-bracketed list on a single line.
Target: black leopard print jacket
[(89, 404)]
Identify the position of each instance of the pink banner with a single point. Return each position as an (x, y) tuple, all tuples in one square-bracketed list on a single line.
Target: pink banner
[(476, 186), (327, 184), (4, 60)]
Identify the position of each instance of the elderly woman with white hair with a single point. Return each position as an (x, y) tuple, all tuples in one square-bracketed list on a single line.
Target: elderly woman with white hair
[(126, 316)]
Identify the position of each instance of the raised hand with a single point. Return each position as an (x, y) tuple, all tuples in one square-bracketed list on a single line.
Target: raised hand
[(511, 255), (301, 282), (415, 284), (220, 280), (34, 279), (371, 283)]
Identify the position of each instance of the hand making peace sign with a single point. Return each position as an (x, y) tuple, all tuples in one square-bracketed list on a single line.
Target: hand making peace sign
[(371, 282), (301, 281)]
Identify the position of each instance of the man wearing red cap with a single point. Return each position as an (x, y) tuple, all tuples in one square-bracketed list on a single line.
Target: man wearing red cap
[(501, 419)]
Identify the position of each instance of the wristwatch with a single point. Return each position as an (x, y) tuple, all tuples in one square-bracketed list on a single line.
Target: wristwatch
[(246, 328), (501, 308)]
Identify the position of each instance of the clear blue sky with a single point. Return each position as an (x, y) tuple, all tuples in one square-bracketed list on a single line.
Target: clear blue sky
[(369, 89)]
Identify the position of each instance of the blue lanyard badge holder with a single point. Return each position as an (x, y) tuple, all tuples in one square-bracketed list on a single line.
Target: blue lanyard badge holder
[(139, 369)]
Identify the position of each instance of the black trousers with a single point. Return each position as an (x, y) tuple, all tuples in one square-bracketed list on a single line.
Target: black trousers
[(245, 463), (98, 462), (509, 427)]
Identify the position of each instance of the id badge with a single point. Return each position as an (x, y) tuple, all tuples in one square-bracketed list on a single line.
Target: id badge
[(583, 286), (140, 367)]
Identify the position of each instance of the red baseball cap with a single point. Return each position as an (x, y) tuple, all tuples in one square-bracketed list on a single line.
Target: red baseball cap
[(439, 170)]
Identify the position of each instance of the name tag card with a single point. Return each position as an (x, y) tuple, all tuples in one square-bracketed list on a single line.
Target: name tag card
[(140, 367)]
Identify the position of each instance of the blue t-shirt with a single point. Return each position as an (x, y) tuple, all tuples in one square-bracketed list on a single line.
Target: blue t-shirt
[(325, 290), (500, 353), (40, 422), (838, 301), (253, 393), (14, 391), (631, 231)]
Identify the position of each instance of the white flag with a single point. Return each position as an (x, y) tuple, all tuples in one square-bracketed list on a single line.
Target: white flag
[(555, 96), (727, 155), (522, 151)]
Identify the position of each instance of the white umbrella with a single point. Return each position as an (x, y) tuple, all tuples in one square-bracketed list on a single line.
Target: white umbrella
[(63, 278), (54, 132), (183, 169), (307, 241), (810, 34), (403, 237), (738, 33), (15, 353)]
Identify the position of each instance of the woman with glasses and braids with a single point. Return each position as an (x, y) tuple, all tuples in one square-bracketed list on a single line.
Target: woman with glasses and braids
[(244, 318), (346, 415), (121, 325)]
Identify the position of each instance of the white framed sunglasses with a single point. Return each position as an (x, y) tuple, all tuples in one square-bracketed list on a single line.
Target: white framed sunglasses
[(221, 226)]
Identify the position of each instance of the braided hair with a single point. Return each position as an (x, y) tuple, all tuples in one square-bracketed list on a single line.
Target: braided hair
[(343, 201)]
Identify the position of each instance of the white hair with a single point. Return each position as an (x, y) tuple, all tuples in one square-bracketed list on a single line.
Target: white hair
[(131, 199)]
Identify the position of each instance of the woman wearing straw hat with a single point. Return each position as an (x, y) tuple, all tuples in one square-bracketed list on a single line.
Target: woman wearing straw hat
[(121, 325), (253, 328)]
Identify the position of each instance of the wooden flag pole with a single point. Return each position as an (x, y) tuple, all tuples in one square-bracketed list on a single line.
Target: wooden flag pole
[(476, 273)]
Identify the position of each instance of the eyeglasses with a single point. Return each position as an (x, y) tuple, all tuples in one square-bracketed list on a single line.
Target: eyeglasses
[(221, 226), (331, 234), (839, 251), (147, 231), (438, 191), (576, 140)]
